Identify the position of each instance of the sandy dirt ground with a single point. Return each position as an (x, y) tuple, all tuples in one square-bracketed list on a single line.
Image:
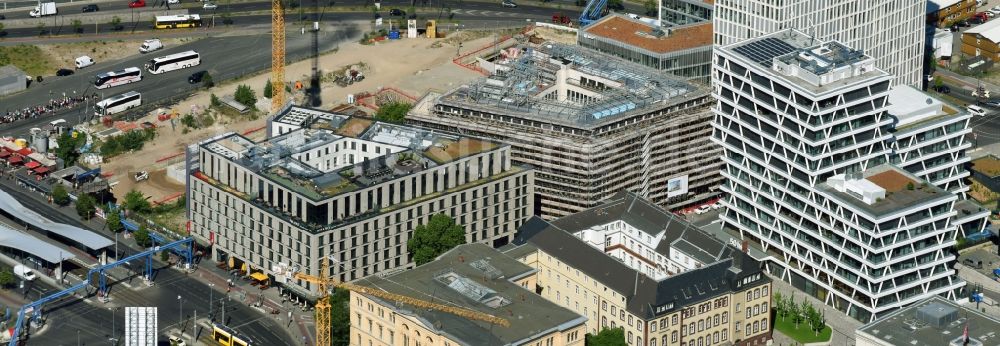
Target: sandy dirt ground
[(411, 65), (64, 54)]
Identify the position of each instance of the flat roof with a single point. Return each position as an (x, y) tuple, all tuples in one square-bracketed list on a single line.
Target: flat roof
[(477, 277), (87, 238), (14, 239), (913, 107), (898, 196), (934, 322), (651, 37), (988, 165)]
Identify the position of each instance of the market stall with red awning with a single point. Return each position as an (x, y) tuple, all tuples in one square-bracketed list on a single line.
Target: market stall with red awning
[(32, 165), (41, 170), (15, 159)]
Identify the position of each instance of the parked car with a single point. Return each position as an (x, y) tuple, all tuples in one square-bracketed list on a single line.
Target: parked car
[(717, 205), (976, 110), (990, 14), (24, 272), (944, 89), (196, 77), (84, 61), (508, 3), (210, 6), (137, 4), (397, 12), (993, 103), (173, 2), (91, 8), (176, 341), (702, 209), (64, 72), (976, 21)]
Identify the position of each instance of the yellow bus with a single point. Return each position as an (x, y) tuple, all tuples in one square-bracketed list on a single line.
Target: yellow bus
[(177, 21), (228, 337)]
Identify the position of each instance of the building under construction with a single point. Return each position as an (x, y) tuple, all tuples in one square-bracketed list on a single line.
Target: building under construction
[(590, 124)]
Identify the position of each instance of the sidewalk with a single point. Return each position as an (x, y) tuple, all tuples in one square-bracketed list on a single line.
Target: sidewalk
[(970, 83), (842, 325)]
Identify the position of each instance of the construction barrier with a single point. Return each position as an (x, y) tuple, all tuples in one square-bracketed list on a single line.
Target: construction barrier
[(168, 157)]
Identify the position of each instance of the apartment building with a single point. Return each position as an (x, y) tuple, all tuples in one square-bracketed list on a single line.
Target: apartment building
[(328, 185), (808, 137), (982, 40), (474, 277), (890, 31), (590, 125), (944, 13), (628, 263)]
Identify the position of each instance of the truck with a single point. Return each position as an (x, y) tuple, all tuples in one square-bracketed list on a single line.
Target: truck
[(43, 9), (150, 45), (24, 273)]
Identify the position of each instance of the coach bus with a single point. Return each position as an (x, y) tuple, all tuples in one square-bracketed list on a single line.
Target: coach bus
[(173, 62), (228, 337), (116, 78), (177, 21), (117, 104)]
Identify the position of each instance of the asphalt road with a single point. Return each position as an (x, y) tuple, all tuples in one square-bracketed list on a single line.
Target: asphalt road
[(985, 129), (218, 57)]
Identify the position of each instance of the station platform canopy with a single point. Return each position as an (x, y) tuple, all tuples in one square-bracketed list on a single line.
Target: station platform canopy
[(15, 239), (87, 238)]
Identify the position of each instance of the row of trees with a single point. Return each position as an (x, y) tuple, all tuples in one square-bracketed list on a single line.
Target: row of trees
[(126, 142), (801, 313)]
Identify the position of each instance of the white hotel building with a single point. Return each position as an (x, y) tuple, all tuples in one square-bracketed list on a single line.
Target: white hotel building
[(890, 31), (329, 185), (813, 177)]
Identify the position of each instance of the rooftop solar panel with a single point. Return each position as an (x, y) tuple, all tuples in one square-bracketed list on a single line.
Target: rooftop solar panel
[(765, 50)]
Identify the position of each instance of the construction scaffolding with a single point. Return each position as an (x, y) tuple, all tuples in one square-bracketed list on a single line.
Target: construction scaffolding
[(570, 85)]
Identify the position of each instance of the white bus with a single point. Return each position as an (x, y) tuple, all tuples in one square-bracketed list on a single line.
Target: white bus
[(173, 62), (118, 103), (116, 78)]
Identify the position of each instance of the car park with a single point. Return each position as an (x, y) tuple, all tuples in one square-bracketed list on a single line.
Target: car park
[(64, 72), (90, 8)]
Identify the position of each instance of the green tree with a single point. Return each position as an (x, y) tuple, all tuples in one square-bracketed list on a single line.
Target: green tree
[(616, 5), (651, 7), (86, 205), (164, 256), (77, 26), (114, 221), (779, 305), (59, 195), (340, 317), (116, 23), (438, 236), (206, 80), (268, 89), (803, 311), (142, 237), (815, 320), (607, 337), (393, 112), (6, 277), (245, 96), (136, 202), (69, 147), (938, 83), (793, 311)]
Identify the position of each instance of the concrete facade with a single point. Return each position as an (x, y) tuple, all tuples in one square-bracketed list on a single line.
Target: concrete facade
[(12, 80)]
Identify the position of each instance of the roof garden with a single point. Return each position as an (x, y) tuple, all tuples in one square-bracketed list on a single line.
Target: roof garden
[(335, 154), (988, 165)]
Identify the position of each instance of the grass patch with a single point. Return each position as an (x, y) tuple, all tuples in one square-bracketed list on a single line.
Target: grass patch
[(802, 333), (30, 59)]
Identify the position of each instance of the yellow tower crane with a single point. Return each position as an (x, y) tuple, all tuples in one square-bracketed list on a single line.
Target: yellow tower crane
[(323, 304), (277, 56)]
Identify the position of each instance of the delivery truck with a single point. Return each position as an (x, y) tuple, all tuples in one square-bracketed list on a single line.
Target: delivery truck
[(43, 9)]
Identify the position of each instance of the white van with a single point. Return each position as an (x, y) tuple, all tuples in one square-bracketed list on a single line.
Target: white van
[(84, 61), (59, 122), (24, 273), (150, 45), (976, 110)]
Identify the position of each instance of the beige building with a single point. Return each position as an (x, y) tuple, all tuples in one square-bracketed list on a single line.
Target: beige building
[(329, 185), (720, 297), (471, 276)]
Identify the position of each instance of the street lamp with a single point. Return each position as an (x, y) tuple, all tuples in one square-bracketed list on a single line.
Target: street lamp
[(211, 299), (180, 319)]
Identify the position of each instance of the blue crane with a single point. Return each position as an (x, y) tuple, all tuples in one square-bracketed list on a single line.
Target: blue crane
[(594, 10), (35, 308)]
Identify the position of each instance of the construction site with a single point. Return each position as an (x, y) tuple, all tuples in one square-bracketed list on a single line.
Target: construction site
[(579, 117)]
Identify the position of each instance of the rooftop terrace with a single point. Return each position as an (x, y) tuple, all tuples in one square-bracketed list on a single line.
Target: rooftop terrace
[(334, 154), (896, 185), (572, 86), (650, 37), (988, 165)]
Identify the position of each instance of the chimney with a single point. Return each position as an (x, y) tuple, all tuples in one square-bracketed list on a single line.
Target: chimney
[(745, 246)]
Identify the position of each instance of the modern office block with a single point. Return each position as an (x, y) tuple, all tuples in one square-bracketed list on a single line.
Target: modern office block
[(890, 31), (590, 125), (327, 185), (808, 135)]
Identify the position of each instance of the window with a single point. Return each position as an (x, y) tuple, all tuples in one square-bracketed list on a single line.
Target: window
[(725, 334), (630, 337), (691, 328), (748, 330), (674, 320), (756, 310), (756, 327), (673, 336), (763, 307), (613, 310), (652, 327), (749, 296), (763, 291), (748, 314), (715, 320), (725, 317), (756, 293)]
